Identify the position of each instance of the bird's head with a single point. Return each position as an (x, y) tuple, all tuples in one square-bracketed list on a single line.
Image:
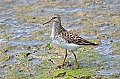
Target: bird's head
[(55, 18)]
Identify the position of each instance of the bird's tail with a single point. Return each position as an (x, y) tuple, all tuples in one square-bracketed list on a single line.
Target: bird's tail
[(94, 44)]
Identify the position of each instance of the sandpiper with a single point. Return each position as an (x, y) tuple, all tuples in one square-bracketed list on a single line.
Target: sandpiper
[(66, 39)]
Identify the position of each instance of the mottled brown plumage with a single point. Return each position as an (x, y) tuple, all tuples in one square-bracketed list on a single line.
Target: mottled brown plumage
[(66, 39), (73, 38)]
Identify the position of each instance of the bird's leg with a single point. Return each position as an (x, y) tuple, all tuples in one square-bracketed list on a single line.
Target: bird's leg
[(65, 57), (77, 64)]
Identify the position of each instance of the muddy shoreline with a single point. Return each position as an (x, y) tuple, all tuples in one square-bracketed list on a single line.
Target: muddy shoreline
[(23, 39)]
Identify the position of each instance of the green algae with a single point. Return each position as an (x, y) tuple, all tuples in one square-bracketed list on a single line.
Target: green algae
[(4, 26), (4, 57), (84, 57), (24, 54), (116, 20), (116, 45), (6, 35), (40, 32), (23, 70), (20, 75), (85, 54), (44, 76), (20, 70), (43, 70), (3, 50), (76, 72), (48, 44)]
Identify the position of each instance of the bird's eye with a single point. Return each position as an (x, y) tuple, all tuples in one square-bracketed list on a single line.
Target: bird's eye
[(54, 17)]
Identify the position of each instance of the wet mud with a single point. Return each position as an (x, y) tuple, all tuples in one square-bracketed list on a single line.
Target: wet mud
[(25, 51)]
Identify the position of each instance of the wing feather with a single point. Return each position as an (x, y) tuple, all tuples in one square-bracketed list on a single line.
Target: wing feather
[(74, 38)]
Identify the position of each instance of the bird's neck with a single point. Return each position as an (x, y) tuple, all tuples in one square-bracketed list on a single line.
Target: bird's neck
[(56, 28)]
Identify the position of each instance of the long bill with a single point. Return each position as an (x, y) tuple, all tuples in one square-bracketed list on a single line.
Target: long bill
[(48, 21)]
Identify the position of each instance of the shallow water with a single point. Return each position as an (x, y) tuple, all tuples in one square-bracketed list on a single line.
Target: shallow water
[(21, 27)]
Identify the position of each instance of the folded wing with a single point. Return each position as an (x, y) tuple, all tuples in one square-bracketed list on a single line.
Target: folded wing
[(73, 38)]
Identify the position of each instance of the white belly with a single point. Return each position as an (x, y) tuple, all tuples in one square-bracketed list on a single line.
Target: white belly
[(63, 44)]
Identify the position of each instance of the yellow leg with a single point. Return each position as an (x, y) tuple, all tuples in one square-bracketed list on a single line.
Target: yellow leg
[(65, 57), (77, 64)]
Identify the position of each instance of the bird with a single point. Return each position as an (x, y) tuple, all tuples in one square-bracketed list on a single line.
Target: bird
[(66, 39)]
